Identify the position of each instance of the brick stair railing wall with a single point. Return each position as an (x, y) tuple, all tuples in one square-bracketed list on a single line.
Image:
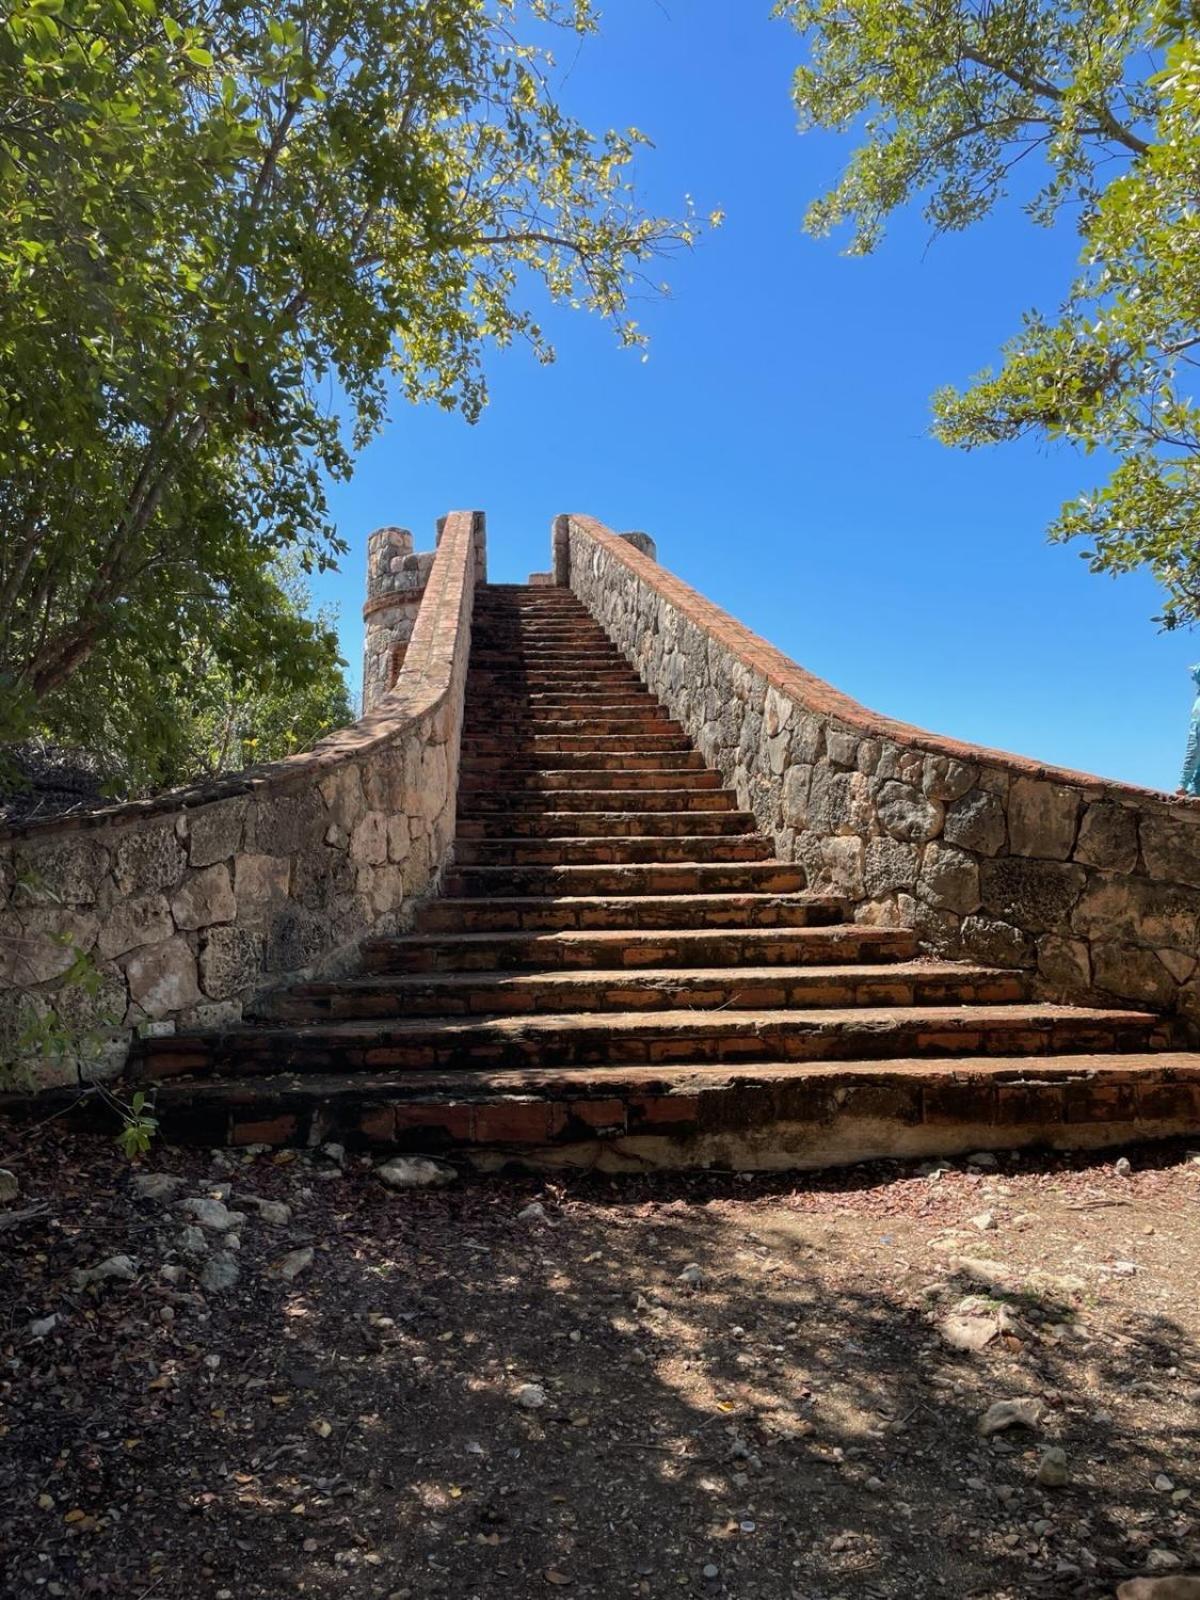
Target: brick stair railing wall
[(1092, 885), (194, 903)]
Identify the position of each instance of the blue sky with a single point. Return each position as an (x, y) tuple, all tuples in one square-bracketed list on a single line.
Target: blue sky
[(776, 443)]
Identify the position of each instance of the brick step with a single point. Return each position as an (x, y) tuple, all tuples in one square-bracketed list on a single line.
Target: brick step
[(484, 994), (527, 652), (525, 763), (761, 1115), (531, 803), (632, 949), (424, 1044), (548, 751), (540, 679), (549, 913), (601, 780), (602, 824), (632, 719), (677, 877), (573, 851)]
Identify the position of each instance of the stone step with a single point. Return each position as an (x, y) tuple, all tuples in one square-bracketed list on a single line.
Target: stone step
[(521, 762), (497, 913), (752, 1116), (536, 744), (599, 781), (605, 850), (652, 719), (657, 878), (602, 824), (632, 949), (677, 800), (484, 994), (424, 1044)]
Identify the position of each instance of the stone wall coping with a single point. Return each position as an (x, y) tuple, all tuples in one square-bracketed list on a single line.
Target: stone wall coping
[(423, 683), (816, 695)]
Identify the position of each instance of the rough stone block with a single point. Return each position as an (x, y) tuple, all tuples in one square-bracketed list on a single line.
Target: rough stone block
[(215, 831), (203, 898), (890, 864), (162, 978), (944, 778), (1042, 819), (949, 879), (1136, 911), (907, 814), (148, 858), (1172, 849), (144, 920), (1064, 965), (976, 822), (1131, 973), (66, 872), (231, 961), (1034, 895), (993, 940), (1108, 837)]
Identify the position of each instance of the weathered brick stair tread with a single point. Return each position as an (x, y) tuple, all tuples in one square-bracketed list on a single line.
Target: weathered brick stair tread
[(594, 1039), (637, 948), (909, 1106), (628, 911), (480, 993), (619, 970)]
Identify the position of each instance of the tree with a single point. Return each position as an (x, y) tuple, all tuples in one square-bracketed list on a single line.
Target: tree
[(210, 212), (953, 96)]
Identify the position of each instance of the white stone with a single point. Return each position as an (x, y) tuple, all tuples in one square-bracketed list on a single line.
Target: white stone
[(530, 1396), (1025, 1412), (415, 1172), (211, 1214)]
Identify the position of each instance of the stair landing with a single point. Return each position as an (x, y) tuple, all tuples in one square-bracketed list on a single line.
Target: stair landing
[(618, 974)]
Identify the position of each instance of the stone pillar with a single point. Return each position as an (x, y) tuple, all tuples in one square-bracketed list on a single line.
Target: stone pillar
[(396, 578)]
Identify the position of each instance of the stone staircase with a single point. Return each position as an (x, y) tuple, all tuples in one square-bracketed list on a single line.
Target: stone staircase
[(618, 971)]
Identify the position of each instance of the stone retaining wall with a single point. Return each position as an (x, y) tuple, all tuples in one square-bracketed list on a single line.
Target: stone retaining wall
[(1093, 885), (193, 903)]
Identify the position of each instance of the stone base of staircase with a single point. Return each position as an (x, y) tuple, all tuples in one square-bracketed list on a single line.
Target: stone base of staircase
[(618, 975)]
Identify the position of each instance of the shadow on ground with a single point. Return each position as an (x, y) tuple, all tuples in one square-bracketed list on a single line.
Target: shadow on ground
[(782, 1420)]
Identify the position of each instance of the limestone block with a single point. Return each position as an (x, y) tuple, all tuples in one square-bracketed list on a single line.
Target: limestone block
[(259, 882), (231, 961), (320, 877), (890, 864), (944, 778), (144, 920), (901, 764), (204, 897), (868, 756), (808, 738), (841, 745), (1108, 837), (1172, 849), (1035, 895), (993, 940), (162, 978), (369, 840), (1131, 973), (1064, 964), (778, 712), (65, 872), (976, 822), (907, 814), (85, 1010), (842, 867), (796, 782), (1178, 963), (949, 879), (398, 838), (1136, 911), (1042, 819), (148, 858), (839, 802), (286, 824), (296, 937), (42, 943), (215, 831)]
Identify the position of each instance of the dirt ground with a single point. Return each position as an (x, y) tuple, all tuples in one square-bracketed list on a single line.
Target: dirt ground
[(672, 1385)]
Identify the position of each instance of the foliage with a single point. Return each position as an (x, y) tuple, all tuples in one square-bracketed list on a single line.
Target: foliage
[(213, 212), (952, 96), (206, 712)]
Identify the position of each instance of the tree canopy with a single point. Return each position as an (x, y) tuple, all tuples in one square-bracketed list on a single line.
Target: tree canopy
[(216, 216), (951, 97)]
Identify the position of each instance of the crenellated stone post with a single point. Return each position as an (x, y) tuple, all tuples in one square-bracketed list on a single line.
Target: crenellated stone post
[(396, 578)]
